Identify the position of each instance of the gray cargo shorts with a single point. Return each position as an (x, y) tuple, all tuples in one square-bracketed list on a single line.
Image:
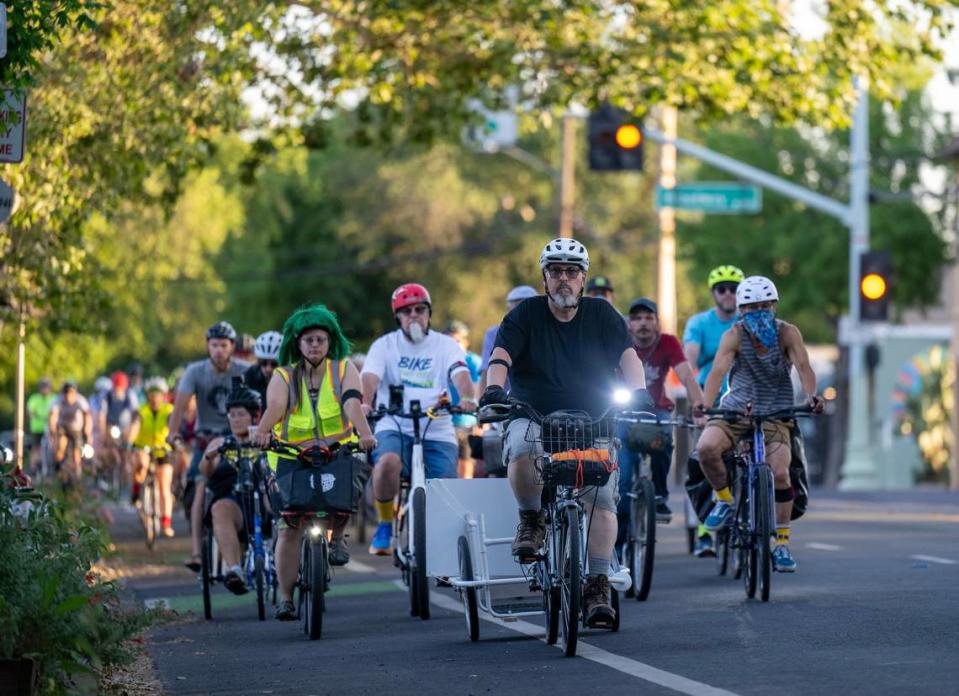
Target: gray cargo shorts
[(516, 444)]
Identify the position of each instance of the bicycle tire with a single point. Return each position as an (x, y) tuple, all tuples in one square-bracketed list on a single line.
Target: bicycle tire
[(722, 551), (614, 603), (643, 538), (259, 579), (155, 513), (571, 580), (146, 516), (551, 608), (420, 578), (470, 609), (751, 548), (315, 601), (206, 572), (764, 530), (306, 577)]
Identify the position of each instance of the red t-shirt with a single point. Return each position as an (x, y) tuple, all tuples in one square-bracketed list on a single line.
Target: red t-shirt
[(657, 359)]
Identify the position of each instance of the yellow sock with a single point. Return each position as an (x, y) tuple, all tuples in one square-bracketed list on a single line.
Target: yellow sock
[(725, 495), (384, 510), (782, 536)]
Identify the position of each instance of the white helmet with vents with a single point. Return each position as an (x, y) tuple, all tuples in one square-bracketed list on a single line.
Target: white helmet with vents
[(267, 345), (756, 289), (564, 251)]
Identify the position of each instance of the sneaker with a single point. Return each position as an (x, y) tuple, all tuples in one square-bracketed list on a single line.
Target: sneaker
[(285, 611), (783, 562), (720, 514), (705, 548), (382, 544), (168, 531), (663, 513), (234, 582), (339, 553), (596, 606), (530, 533)]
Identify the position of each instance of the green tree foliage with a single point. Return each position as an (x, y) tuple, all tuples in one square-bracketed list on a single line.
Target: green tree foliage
[(806, 252), (415, 64)]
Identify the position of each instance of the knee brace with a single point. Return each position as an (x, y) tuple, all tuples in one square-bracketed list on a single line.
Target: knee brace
[(784, 495)]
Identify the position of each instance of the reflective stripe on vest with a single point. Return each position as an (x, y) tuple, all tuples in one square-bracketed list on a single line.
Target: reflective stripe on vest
[(324, 424)]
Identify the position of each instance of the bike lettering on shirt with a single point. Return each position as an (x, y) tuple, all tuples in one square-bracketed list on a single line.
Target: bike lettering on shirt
[(416, 372)]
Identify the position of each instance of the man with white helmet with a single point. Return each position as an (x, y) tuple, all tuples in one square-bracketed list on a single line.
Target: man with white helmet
[(266, 348), (562, 352), (760, 351)]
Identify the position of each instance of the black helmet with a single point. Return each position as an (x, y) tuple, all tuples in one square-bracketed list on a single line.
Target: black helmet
[(221, 329), (243, 397)]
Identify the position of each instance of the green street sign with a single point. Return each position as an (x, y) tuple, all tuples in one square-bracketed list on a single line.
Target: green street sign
[(723, 197)]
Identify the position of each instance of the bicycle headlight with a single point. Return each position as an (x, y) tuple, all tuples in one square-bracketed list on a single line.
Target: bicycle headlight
[(622, 396), (87, 452), (316, 531), (114, 431), (7, 455)]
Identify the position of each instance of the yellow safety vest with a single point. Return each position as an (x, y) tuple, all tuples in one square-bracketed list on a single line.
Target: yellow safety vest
[(154, 427), (323, 425)]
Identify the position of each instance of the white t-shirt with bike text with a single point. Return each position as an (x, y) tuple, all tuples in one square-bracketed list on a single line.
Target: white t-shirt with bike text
[(424, 369)]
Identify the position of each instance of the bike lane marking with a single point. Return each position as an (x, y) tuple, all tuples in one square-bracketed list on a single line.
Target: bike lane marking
[(823, 547), (934, 559), (622, 664)]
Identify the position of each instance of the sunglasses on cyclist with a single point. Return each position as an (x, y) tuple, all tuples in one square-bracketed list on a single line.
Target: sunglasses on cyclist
[(723, 288), (557, 273), (268, 363), (414, 309)]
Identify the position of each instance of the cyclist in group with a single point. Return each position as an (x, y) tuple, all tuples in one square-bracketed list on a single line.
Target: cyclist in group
[(266, 348), (602, 287), (563, 351), (148, 435), (465, 425), (513, 298), (38, 412), (225, 515), (759, 352), (71, 426), (423, 362), (210, 381), (116, 411), (313, 399), (700, 343), (659, 352)]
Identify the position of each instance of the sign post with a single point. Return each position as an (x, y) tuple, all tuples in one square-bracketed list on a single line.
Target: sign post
[(13, 125)]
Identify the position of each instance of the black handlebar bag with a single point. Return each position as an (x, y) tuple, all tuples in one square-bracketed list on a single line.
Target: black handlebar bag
[(330, 487)]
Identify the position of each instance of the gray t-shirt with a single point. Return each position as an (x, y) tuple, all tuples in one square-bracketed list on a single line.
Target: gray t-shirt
[(211, 389)]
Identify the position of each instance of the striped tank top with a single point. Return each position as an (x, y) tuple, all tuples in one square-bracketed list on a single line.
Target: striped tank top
[(761, 380)]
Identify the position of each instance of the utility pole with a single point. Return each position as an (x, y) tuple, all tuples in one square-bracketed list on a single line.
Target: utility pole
[(21, 409), (667, 224), (567, 177)]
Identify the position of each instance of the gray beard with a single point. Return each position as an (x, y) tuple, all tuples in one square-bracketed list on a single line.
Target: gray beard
[(564, 301), (415, 333)]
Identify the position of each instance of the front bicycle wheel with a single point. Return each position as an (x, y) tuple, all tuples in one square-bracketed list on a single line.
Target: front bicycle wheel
[(470, 609), (750, 543), (419, 577), (642, 541), (764, 531), (259, 579), (147, 503), (722, 551), (571, 580), (206, 571)]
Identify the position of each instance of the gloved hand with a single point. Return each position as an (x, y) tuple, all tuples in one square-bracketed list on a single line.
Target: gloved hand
[(494, 394), (643, 400)]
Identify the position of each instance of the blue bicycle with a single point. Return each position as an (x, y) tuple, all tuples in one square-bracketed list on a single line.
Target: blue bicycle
[(749, 531)]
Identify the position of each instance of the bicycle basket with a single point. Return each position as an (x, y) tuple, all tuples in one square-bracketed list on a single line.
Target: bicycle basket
[(580, 451), (578, 468)]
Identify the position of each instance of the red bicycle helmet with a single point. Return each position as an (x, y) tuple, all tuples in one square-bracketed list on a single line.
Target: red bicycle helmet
[(410, 294)]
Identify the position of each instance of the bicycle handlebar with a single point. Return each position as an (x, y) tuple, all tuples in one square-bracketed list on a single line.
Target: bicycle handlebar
[(782, 414), (312, 454), (495, 413)]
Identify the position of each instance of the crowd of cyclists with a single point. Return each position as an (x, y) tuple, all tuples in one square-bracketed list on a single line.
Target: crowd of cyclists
[(565, 346)]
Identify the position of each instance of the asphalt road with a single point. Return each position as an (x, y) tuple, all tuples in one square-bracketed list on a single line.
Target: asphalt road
[(873, 609)]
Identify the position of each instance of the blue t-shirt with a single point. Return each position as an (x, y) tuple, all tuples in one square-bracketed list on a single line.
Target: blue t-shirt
[(706, 329), (473, 362)]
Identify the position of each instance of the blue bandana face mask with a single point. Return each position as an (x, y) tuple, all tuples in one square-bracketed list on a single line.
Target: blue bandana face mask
[(762, 325)]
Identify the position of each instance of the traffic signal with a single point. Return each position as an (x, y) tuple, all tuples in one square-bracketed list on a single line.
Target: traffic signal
[(615, 141), (875, 281)]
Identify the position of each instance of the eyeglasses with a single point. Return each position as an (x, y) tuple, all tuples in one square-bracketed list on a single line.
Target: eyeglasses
[(314, 341), (557, 273), (415, 309), (722, 288), (268, 363)]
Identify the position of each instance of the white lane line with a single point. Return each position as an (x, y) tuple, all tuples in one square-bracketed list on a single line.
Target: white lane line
[(155, 603), (934, 559), (823, 547), (622, 664), (359, 567)]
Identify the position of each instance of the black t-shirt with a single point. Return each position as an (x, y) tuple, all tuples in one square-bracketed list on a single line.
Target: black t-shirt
[(256, 380), (564, 365)]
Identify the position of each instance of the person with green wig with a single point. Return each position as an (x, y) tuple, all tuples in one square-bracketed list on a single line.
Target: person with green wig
[(313, 398)]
